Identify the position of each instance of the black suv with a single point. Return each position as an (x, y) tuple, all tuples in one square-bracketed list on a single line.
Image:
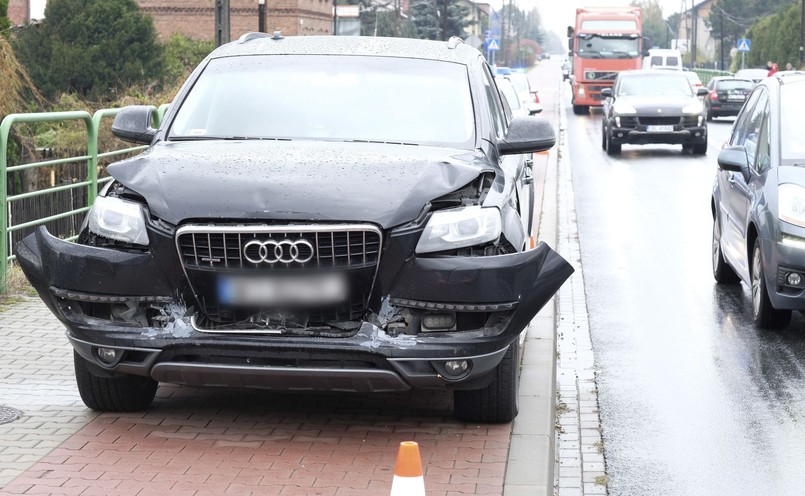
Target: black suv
[(335, 213), (653, 106)]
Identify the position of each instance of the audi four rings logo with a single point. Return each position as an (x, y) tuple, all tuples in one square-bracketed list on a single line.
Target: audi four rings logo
[(273, 251)]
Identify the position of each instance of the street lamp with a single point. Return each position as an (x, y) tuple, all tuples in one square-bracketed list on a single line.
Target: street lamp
[(261, 16)]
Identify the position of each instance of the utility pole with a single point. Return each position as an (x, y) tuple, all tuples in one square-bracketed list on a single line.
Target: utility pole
[(721, 28), (261, 16), (444, 21), (221, 22), (335, 17), (801, 33)]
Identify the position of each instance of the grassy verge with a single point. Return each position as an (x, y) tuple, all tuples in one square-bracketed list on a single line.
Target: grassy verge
[(17, 288)]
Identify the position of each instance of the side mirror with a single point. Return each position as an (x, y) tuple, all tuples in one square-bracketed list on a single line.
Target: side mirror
[(606, 92), (133, 124), (734, 159), (534, 108), (527, 135), (701, 91), (570, 52)]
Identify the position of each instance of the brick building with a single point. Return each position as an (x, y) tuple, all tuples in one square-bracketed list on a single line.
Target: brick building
[(196, 18)]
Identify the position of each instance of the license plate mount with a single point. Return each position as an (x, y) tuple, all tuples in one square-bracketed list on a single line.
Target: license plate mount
[(660, 128), (307, 290)]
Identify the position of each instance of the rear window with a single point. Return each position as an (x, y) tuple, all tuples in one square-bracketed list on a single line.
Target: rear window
[(734, 84)]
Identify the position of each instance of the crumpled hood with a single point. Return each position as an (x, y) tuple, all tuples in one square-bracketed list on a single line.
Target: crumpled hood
[(303, 180)]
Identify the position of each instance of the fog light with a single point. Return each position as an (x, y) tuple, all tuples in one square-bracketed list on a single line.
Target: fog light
[(793, 279), (620, 135), (439, 321), (107, 355), (457, 367)]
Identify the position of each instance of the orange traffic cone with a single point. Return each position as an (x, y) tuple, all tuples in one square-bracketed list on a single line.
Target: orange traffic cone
[(408, 479)]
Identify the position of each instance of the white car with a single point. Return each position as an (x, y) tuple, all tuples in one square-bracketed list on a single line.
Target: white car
[(528, 97)]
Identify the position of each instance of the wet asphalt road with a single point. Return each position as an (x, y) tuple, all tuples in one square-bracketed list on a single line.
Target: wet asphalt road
[(694, 400)]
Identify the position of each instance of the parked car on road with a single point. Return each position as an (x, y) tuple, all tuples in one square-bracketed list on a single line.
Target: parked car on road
[(758, 202), (284, 232), (727, 96), (755, 75), (653, 106), (529, 99)]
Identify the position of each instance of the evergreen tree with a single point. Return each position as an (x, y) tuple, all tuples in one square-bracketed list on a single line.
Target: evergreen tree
[(4, 20), (90, 47)]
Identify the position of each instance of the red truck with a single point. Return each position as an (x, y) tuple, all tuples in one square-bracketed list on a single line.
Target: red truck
[(604, 42)]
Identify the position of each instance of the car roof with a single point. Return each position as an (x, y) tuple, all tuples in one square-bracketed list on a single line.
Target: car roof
[(788, 77), (453, 50)]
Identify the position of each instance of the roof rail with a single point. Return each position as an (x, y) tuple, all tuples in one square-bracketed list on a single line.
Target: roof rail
[(251, 35), (453, 42)]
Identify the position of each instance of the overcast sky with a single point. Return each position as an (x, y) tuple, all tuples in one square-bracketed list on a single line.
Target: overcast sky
[(557, 15)]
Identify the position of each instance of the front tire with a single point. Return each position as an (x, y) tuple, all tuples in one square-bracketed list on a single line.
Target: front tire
[(581, 109), (612, 148), (103, 391), (498, 402), (722, 272), (700, 148), (763, 314)]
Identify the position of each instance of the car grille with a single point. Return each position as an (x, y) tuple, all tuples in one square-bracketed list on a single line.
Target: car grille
[(336, 247), (659, 121), (629, 122), (209, 252)]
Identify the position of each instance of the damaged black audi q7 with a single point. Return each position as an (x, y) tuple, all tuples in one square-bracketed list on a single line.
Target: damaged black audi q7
[(341, 214)]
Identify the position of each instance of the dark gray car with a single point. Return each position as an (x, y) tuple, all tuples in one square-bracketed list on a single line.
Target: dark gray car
[(758, 202), (659, 106)]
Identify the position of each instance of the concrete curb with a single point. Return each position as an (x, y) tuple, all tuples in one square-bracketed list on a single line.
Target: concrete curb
[(531, 461)]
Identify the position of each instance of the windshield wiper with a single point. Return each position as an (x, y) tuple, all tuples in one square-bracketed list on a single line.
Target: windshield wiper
[(226, 138), (381, 142)]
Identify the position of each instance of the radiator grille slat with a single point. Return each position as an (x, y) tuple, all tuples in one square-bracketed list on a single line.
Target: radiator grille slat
[(336, 249)]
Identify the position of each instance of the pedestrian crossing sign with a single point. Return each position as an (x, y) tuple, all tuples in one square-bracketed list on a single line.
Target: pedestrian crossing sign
[(744, 45), (493, 45)]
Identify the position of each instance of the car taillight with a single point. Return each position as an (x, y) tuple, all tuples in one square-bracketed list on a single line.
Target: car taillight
[(713, 95), (536, 97)]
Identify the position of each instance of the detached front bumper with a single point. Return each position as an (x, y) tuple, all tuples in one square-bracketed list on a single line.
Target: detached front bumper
[(138, 304)]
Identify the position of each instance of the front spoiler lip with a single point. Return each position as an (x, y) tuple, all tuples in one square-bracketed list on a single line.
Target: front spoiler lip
[(634, 137), (401, 374)]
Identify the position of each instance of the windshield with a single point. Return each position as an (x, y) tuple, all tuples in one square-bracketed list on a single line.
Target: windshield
[(792, 126), (655, 85), (330, 97), (595, 47)]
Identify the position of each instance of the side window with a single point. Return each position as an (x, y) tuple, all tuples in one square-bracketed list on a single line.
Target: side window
[(752, 138), (741, 123), (495, 106), (763, 158)]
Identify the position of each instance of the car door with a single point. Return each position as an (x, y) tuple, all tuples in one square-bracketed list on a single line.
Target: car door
[(750, 132)]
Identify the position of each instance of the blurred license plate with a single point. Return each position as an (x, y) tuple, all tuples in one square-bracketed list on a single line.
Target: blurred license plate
[(736, 98), (309, 289), (661, 129)]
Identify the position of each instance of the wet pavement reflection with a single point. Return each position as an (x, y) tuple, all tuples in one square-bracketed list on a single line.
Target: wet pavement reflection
[(694, 400)]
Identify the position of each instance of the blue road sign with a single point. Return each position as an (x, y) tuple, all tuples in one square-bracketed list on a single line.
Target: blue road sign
[(744, 45), (492, 45)]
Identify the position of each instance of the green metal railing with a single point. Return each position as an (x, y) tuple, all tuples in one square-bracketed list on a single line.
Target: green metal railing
[(92, 126)]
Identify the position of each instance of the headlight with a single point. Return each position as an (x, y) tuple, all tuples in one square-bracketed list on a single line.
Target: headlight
[(693, 108), (118, 219), (459, 228), (791, 203), (623, 108)]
